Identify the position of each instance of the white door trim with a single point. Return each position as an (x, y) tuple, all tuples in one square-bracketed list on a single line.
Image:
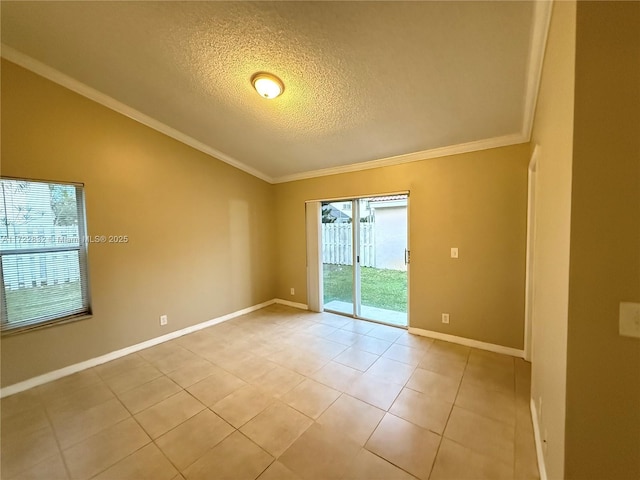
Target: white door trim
[(531, 234), (314, 256)]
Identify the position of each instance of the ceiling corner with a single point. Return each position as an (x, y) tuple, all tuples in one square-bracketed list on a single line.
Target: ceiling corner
[(39, 68), (539, 34)]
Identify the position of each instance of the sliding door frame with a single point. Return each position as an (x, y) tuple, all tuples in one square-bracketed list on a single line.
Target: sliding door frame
[(355, 245), (356, 294)]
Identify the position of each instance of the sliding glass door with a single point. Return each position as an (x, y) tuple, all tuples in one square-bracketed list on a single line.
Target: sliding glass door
[(365, 258), (337, 257)]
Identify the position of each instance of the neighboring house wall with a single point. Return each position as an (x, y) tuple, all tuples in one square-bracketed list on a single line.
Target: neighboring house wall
[(201, 233), (383, 239), (390, 237)]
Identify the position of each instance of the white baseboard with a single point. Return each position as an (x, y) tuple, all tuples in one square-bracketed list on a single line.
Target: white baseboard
[(301, 306), (514, 352), (92, 362), (77, 367), (538, 439)]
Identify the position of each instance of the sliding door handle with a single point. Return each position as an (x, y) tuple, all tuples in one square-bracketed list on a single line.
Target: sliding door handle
[(407, 255)]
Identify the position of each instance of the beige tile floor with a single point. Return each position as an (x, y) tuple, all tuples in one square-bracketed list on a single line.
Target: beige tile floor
[(279, 394)]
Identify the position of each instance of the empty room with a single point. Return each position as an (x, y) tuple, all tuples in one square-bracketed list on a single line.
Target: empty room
[(320, 240)]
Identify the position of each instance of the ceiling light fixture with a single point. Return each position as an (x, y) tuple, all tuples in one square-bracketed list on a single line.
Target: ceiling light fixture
[(267, 85)]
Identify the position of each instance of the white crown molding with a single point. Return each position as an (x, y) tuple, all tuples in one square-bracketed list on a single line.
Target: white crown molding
[(468, 342), (475, 146), (92, 362), (80, 88), (539, 34)]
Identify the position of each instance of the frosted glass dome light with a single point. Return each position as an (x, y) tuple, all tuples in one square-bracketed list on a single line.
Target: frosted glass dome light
[(267, 85)]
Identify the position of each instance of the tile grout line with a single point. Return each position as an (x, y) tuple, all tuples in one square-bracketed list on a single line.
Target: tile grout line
[(60, 449), (154, 440), (117, 423), (453, 404), (389, 461), (308, 376), (388, 412), (55, 435), (207, 451)]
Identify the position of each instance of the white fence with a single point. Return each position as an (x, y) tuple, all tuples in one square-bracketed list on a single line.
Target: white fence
[(337, 245), (39, 269), (25, 270)]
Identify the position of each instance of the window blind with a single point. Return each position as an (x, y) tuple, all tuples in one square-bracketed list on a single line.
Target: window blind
[(43, 253)]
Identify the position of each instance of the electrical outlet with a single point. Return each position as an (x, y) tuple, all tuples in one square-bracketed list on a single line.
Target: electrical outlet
[(163, 320), (454, 252), (293, 291), (445, 318)]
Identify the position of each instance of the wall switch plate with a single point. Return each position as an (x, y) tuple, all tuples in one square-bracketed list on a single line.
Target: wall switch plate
[(163, 320), (454, 252), (293, 291), (445, 318), (629, 319)]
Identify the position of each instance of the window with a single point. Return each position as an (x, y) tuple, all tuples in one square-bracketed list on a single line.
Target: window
[(43, 257)]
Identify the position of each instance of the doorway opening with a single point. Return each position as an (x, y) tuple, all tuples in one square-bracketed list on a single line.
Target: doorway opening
[(365, 258)]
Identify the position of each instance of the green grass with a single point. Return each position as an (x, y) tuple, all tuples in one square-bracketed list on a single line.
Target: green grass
[(379, 287), (34, 302)]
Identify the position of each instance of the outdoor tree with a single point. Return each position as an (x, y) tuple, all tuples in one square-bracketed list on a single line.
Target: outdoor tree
[(63, 204), (13, 211), (327, 217)]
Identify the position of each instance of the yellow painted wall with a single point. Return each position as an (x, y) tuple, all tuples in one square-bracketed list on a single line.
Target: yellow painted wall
[(475, 201), (603, 369), (553, 133), (205, 239), (201, 233)]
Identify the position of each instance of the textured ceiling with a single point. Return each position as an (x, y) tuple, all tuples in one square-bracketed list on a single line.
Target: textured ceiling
[(363, 80)]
